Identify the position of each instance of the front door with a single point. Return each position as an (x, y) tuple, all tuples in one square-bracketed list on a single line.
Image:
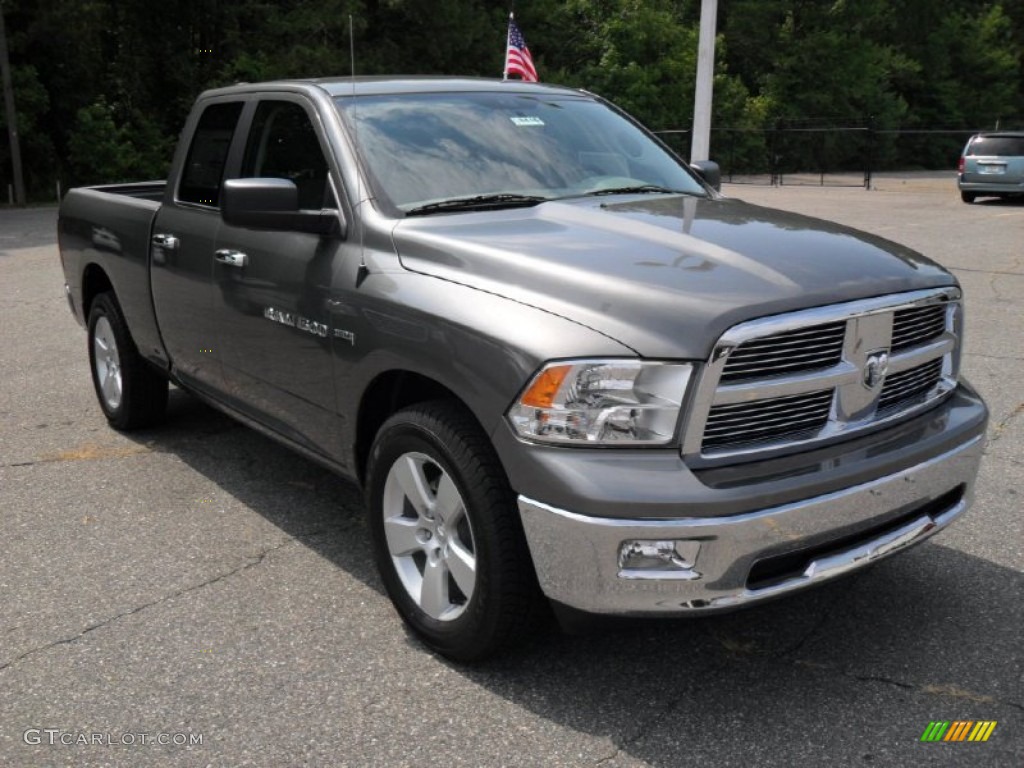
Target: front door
[(273, 289)]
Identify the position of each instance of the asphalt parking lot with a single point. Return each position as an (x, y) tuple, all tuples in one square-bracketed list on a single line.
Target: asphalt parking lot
[(202, 584)]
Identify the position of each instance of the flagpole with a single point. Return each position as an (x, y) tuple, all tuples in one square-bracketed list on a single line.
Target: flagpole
[(508, 43)]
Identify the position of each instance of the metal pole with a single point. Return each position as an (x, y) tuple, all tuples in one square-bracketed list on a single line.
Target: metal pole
[(700, 146), (12, 117)]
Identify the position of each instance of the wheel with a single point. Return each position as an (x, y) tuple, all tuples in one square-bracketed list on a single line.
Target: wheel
[(447, 535), (968, 197), (131, 393)]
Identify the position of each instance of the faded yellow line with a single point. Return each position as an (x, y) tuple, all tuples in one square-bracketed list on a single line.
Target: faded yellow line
[(91, 451), (957, 693)]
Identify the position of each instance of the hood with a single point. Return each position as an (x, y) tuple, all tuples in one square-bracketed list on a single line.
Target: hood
[(663, 275)]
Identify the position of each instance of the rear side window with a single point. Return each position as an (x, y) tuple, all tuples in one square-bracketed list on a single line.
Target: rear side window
[(283, 144), (997, 145), (204, 166)]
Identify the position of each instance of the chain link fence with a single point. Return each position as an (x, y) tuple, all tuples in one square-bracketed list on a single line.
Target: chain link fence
[(824, 155)]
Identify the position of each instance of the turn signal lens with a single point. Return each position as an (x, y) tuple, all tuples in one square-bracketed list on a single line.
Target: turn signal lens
[(602, 402), (542, 392)]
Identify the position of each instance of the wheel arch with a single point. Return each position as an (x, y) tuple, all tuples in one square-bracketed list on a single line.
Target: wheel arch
[(94, 282), (389, 392)]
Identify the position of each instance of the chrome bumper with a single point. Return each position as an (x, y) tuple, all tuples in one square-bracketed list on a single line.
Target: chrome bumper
[(577, 557)]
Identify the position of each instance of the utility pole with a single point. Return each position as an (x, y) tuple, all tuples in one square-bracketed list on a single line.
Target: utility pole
[(12, 117), (700, 141)]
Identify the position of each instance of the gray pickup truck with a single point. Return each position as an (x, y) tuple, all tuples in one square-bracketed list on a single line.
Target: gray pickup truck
[(560, 364)]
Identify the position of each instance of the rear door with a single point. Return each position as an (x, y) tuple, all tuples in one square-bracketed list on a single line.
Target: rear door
[(273, 293), (182, 247)]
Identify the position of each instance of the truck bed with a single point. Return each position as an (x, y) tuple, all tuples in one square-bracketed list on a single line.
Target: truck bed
[(110, 226), (143, 190)]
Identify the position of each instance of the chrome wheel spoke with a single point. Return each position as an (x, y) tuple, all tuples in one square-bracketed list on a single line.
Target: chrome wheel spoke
[(111, 387), (434, 592), (448, 503), (401, 536), (462, 565), (408, 471)]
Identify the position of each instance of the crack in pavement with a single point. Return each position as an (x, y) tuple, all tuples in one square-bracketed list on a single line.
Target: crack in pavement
[(929, 689), (826, 615), (986, 271), (997, 431), (251, 562), (992, 357), (739, 647), (1007, 459), (641, 731)]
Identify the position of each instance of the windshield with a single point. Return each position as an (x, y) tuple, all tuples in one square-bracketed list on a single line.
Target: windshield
[(422, 149)]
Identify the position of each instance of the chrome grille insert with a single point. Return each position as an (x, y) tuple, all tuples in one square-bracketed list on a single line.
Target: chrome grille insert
[(786, 382), (902, 388), (916, 325), (767, 420), (805, 349)]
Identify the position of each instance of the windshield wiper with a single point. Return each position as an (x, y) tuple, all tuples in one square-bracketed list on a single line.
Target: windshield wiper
[(639, 189), (478, 203)]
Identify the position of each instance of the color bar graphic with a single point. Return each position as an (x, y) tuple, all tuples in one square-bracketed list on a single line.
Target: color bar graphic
[(982, 730), (959, 730)]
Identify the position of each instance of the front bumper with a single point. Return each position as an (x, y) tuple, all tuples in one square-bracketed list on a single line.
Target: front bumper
[(751, 556)]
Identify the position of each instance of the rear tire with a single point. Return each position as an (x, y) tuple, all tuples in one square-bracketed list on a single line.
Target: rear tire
[(968, 197), (447, 535), (131, 393)]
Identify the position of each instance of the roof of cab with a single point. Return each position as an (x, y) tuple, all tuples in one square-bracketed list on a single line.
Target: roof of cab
[(380, 85)]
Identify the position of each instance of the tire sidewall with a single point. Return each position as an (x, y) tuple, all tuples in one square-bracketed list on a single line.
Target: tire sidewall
[(103, 306), (395, 439)]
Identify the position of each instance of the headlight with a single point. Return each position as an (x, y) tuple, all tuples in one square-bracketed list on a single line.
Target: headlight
[(602, 402)]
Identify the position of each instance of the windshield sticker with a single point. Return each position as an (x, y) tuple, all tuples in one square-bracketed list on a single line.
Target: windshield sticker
[(524, 121)]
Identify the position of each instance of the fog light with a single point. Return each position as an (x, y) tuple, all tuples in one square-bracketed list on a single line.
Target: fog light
[(645, 559)]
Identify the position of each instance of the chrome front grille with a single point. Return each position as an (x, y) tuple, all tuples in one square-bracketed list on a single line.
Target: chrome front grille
[(903, 388), (766, 421), (789, 381), (916, 325), (805, 349)]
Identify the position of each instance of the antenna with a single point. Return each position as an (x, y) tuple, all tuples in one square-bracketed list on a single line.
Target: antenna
[(363, 269), (352, 53)]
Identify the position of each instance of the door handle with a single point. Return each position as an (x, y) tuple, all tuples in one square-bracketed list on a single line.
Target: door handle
[(167, 242), (231, 258)]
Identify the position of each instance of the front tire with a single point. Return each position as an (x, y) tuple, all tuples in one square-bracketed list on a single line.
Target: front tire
[(131, 393), (447, 535)]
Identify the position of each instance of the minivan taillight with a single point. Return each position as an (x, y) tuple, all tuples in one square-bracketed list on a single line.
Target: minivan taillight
[(960, 165)]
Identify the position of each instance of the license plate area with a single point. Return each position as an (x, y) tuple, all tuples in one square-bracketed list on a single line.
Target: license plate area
[(990, 169)]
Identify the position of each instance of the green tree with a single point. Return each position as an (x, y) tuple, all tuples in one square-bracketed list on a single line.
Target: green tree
[(135, 66)]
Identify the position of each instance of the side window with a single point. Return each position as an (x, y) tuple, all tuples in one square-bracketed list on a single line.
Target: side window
[(204, 166), (283, 145)]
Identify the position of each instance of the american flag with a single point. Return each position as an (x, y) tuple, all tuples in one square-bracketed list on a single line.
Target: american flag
[(518, 60)]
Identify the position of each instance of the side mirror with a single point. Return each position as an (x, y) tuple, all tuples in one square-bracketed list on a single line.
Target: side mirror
[(273, 204), (710, 172)]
